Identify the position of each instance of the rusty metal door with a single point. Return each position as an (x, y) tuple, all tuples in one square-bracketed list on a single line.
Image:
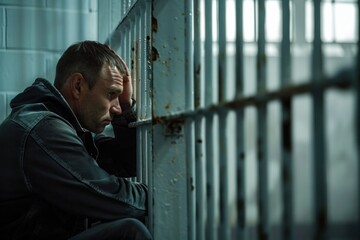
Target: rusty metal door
[(239, 134)]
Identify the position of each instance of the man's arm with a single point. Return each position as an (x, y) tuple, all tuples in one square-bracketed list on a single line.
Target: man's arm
[(118, 155)]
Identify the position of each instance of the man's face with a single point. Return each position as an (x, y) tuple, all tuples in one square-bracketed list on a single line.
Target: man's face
[(98, 106)]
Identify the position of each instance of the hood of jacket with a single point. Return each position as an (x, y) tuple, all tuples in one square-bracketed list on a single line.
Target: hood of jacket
[(43, 92)]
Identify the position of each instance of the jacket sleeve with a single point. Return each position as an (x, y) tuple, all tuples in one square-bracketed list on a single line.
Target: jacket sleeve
[(58, 168), (117, 155)]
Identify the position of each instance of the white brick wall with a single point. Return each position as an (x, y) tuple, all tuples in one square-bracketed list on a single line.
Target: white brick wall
[(33, 34)]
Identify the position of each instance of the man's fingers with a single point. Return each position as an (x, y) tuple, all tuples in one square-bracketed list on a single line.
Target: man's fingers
[(125, 66), (126, 79)]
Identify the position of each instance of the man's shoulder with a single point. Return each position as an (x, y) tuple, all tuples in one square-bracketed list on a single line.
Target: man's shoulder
[(29, 115)]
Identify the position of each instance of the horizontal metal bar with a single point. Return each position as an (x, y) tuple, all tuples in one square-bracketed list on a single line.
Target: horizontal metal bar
[(140, 123), (341, 81)]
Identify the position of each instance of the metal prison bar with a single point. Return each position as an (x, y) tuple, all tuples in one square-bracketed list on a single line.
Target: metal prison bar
[(197, 183)]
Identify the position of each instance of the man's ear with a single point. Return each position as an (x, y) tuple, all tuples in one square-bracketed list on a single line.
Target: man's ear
[(77, 84)]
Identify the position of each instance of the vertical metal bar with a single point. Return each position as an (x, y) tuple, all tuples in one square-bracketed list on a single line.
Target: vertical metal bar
[(357, 113), (190, 128), (143, 91), (122, 9), (197, 55), (109, 18), (320, 188), (139, 92), (148, 76), (241, 206), (263, 227), (191, 198), (225, 230), (287, 176), (123, 45), (143, 49), (285, 44), (211, 227), (222, 50), (128, 46), (239, 48), (240, 173), (209, 52), (137, 49), (146, 79), (189, 54), (317, 58), (200, 196), (199, 160), (132, 66)]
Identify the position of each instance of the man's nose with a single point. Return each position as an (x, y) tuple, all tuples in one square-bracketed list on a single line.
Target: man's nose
[(115, 108)]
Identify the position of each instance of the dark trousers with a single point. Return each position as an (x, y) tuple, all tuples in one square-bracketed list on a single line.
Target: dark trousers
[(123, 229)]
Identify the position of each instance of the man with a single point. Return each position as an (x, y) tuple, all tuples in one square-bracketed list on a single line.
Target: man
[(57, 181)]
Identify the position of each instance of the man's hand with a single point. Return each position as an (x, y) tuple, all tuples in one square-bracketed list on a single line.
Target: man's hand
[(125, 99)]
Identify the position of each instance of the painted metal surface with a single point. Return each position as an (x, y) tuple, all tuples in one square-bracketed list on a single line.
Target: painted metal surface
[(286, 128), (225, 227), (262, 157), (357, 116), (319, 158), (172, 179), (240, 126), (199, 127), (211, 187), (186, 107)]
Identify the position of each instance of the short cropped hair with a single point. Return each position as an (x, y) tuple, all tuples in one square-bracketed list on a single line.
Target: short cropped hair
[(87, 58)]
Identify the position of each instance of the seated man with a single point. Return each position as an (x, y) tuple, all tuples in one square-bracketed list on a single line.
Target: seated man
[(57, 181)]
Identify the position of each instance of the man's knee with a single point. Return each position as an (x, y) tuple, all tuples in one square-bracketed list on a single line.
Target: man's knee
[(123, 229), (134, 229)]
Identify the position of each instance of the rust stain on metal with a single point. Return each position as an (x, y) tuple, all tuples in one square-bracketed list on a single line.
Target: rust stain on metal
[(197, 85), (135, 62), (157, 119), (168, 106), (154, 54), (174, 128), (192, 187), (154, 24), (198, 70)]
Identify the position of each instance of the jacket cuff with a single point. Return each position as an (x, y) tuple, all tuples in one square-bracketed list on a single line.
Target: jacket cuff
[(130, 114)]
